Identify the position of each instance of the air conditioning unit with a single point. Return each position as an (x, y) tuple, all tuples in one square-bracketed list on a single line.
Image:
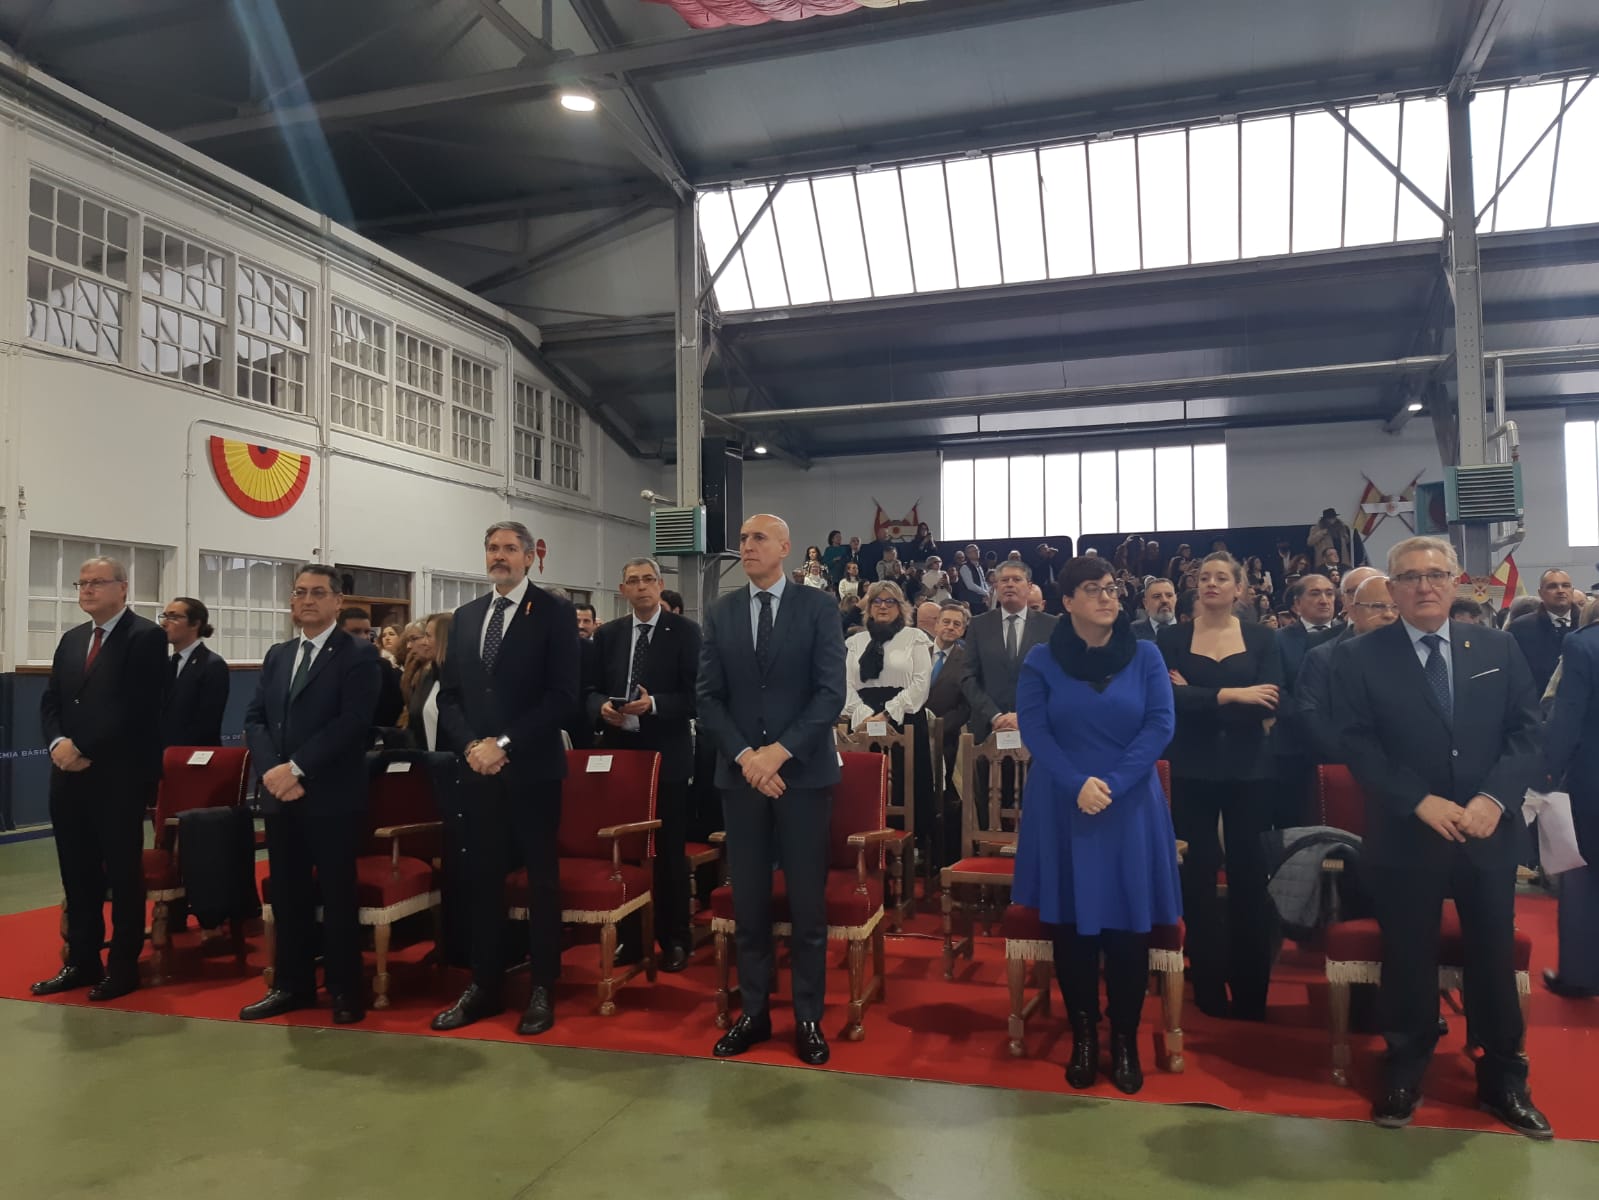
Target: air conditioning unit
[(677, 531), (1483, 495)]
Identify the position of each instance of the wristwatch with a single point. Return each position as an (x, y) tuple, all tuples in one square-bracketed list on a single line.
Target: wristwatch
[(503, 741)]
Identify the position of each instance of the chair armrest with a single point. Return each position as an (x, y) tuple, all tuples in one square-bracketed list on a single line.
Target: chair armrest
[(617, 831), (399, 831), (170, 823), (861, 840), (719, 838)]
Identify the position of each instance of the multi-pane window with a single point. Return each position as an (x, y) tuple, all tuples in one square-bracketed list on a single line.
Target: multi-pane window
[(1168, 488), (419, 392), (273, 338), (77, 271), (566, 444), (527, 433), (53, 563), (360, 349), (182, 309), (471, 409), (452, 591), (249, 602), (1582, 483)]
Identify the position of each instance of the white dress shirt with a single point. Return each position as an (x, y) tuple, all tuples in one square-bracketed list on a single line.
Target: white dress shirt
[(105, 633), (318, 644), (907, 665), (776, 590), (516, 596), (630, 724), (183, 656)]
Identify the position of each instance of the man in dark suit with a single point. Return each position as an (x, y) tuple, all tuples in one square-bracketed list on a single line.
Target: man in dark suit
[(101, 715), (1439, 724), (771, 686), (1371, 607), (1541, 634), (1311, 598), (357, 622), (198, 690), (1571, 760), (996, 643), (650, 659), (945, 698), (307, 728), (1160, 609), (510, 680)]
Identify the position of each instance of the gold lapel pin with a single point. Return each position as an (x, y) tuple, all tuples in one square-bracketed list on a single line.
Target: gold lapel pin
[(1467, 645), (527, 609)]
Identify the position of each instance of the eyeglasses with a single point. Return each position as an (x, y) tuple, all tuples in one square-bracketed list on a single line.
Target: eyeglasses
[(310, 594), (172, 618), (1377, 608), (89, 585), (884, 602), (1095, 590), (1433, 579)]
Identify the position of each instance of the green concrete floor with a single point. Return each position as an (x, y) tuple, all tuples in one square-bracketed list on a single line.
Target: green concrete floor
[(127, 1106)]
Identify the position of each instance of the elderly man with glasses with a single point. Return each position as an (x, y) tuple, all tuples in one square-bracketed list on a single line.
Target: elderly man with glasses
[(101, 714), (1439, 723), (1369, 606)]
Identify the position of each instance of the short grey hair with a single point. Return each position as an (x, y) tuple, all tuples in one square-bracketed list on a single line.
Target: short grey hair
[(515, 527), (641, 562), (119, 573), (1419, 545), (1015, 564)]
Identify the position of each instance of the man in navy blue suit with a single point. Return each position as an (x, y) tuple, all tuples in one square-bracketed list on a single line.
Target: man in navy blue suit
[(1439, 723), (307, 727), (771, 686), (1571, 753), (1541, 634)]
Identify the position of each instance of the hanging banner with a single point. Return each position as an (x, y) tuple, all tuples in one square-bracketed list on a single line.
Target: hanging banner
[(901, 529), (260, 481)]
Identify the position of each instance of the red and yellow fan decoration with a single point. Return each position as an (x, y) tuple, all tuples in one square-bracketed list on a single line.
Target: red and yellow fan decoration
[(258, 479)]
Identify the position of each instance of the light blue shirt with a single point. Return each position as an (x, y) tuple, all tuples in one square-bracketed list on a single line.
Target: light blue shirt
[(755, 606), (1422, 651)]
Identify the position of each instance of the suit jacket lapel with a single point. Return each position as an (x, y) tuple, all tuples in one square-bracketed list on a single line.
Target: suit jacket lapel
[(328, 650), (1463, 662), (780, 623), (1410, 665)]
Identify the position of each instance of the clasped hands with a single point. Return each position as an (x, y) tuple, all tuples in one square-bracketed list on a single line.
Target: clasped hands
[(614, 716), (68, 757), (1094, 797), (761, 769), (485, 757), (1478, 819), (283, 785)]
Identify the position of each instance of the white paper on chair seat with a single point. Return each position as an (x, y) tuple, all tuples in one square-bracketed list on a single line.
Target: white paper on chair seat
[(1008, 739), (877, 729), (398, 768), (1557, 836), (599, 764), (200, 757)]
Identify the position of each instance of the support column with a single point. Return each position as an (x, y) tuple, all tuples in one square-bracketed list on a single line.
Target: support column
[(690, 396), (1465, 271)]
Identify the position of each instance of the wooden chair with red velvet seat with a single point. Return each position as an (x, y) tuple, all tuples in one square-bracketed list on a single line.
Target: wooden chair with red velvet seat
[(1354, 948), (217, 782), (987, 865), (701, 854), (399, 869), (902, 846), (857, 864), (606, 844)]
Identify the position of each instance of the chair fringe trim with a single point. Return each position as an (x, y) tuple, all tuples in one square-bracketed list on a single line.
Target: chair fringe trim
[(1167, 962), (1030, 951), (1449, 978), (166, 894), (837, 933), (591, 916), (397, 912), (1453, 978)]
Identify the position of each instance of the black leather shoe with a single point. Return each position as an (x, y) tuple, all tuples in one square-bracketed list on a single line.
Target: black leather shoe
[(474, 1005), (1514, 1107), (540, 1015), (1083, 1069), (113, 987), (1397, 1108), (747, 1031), (810, 1044), (1560, 987), (275, 1003), (673, 959), (65, 980), (1125, 1070), (347, 1011)]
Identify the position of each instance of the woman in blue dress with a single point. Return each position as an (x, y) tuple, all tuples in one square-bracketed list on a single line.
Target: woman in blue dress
[(1096, 855)]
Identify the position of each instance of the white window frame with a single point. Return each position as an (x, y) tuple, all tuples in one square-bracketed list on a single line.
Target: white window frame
[(449, 592), (272, 331), (361, 357), (70, 289), (265, 616), (527, 432), (565, 444), (420, 366), (471, 410), (59, 592), (192, 309)]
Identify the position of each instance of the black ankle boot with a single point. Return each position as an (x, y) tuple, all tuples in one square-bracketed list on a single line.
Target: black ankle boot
[(1125, 1072), (1084, 1066)]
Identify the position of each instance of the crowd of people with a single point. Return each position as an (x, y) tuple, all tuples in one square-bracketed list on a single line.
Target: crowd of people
[(1103, 664)]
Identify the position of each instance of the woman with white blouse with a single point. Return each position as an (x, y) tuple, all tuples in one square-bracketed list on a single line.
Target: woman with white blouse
[(888, 669)]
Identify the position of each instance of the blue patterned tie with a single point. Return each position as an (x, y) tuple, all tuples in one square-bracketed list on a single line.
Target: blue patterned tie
[(1438, 674), (938, 664), (495, 633)]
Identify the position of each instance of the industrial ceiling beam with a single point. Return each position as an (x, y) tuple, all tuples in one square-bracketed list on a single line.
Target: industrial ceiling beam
[(519, 35), (1485, 18), (1393, 169), (546, 204), (573, 243)]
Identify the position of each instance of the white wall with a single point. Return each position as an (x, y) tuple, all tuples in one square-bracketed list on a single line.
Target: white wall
[(839, 493)]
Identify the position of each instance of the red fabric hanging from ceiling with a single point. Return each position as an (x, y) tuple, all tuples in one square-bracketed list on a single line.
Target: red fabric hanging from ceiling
[(714, 14)]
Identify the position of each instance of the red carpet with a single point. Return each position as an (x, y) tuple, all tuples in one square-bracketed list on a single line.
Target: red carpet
[(932, 1030)]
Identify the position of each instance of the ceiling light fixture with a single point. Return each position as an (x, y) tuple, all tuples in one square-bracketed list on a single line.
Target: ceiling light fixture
[(760, 449), (1413, 406), (580, 102)]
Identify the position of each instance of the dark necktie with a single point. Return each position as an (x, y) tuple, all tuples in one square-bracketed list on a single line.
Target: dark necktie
[(763, 631), (303, 671), (177, 666), (1012, 645), (495, 633), (1438, 674), (94, 648), (938, 662), (636, 672)]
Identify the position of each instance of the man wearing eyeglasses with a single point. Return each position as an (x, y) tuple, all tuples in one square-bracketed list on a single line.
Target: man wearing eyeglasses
[(198, 686), (101, 717), (1439, 724), (1369, 606), (307, 728)]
